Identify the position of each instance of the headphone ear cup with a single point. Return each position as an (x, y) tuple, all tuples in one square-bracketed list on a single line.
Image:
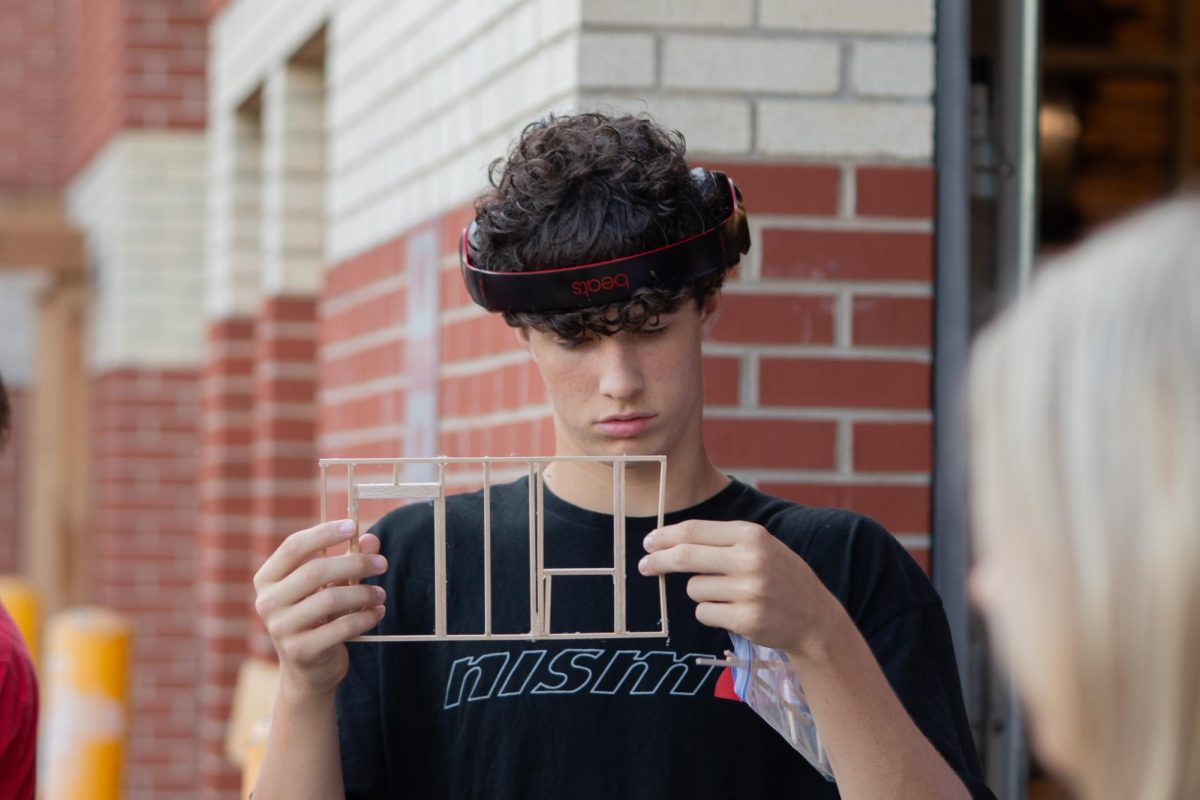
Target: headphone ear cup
[(743, 225), (472, 239), (705, 181)]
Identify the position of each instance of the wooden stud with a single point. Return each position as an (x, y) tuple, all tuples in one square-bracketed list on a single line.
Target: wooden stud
[(439, 556), (543, 615), (487, 549), (662, 505), (399, 491), (533, 610), (541, 576), (324, 484)]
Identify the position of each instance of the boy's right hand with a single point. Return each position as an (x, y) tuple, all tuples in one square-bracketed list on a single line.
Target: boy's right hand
[(309, 611)]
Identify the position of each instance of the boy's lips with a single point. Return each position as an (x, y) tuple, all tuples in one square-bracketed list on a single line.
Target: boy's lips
[(624, 426)]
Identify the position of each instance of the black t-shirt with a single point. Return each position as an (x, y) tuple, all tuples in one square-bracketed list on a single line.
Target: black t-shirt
[(605, 718)]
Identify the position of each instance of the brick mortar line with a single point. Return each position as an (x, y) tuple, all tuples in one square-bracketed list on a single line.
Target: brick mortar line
[(360, 391), (843, 447), (276, 329), (456, 314), (816, 414), (351, 437), (914, 479), (354, 345), (844, 320), (822, 288), (265, 449), (275, 410), (847, 224), (755, 99), (757, 30), (273, 370), (494, 419), (337, 304), (916, 355), (482, 365)]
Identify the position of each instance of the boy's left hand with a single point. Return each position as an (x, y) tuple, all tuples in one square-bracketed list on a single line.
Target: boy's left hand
[(745, 581)]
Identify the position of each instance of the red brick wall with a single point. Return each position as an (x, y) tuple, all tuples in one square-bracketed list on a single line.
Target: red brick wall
[(836, 325), (166, 49), (73, 72), (817, 377), (361, 347), (135, 64), (93, 79), (14, 466), (144, 454), (223, 542), (31, 64), (284, 420)]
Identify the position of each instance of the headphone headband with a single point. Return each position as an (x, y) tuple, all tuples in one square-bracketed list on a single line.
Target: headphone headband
[(671, 266)]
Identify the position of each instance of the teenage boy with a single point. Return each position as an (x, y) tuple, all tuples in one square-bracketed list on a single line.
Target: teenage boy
[(606, 254)]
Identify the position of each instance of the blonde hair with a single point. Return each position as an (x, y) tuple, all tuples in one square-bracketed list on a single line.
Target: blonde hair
[(1085, 433)]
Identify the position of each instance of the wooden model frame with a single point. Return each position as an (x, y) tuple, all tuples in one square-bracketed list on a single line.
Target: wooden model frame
[(540, 576)]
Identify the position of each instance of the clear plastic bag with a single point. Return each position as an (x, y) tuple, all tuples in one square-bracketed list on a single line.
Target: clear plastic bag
[(764, 679)]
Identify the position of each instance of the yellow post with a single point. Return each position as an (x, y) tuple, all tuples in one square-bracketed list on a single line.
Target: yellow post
[(87, 693), (18, 597), (256, 748)]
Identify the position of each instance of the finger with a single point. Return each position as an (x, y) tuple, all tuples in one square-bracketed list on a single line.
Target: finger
[(323, 606), (720, 615), (315, 573), (697, 558), (694, 531), (367, 543), (299, 547), (714, 589), (309, 645)]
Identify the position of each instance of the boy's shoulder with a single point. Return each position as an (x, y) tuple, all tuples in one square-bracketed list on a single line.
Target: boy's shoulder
[(800, 524), (855, 556)]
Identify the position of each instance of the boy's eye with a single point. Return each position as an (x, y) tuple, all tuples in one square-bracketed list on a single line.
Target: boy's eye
[(653, 331), (572, 344)]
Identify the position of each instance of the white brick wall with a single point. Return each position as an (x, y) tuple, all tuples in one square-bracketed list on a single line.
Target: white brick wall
[(413, 128), (233, 280), (750, 64), (609, 59), (423, 94), (293, 181), (653, 13), (846, 129), (140, 203), (798, 79), (892, 69), (848, 16)]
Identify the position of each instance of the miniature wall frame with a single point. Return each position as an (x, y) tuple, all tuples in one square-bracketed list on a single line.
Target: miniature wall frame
[(541, 577)]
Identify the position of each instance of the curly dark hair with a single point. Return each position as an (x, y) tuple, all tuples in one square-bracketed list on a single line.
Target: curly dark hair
[(591, 187)]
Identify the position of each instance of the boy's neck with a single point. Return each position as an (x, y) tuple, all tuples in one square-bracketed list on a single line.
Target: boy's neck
[(690, 480)]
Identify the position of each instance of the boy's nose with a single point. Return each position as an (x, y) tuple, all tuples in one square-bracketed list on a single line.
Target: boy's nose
[(620, 373)]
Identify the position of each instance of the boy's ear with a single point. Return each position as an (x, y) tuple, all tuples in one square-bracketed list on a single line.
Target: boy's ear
[(522, 336), (710, 312)]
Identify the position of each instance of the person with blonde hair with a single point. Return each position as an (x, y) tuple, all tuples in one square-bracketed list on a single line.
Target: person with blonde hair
[(1085, 433)]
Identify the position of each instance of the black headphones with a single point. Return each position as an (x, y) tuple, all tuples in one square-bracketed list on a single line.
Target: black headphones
[(671, 266)]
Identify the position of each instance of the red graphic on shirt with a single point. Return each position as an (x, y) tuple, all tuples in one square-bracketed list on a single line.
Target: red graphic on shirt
[(724, 688)]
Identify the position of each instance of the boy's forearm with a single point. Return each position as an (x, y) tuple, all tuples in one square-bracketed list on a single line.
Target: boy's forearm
[(302, 759), (875, 748)]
